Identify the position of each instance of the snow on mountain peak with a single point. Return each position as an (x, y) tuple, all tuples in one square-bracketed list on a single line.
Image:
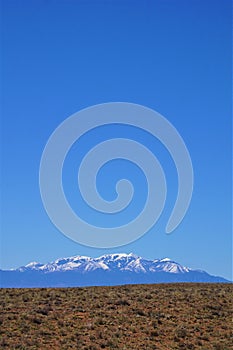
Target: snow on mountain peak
[(165, 259), (33, 263), (117, 256), (112, 262)]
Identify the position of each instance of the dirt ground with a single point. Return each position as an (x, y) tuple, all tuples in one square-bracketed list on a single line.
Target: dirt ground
[(131, 317)]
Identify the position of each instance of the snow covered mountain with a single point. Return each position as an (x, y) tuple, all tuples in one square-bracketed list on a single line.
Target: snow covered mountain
[(109, 269), (110, 262)]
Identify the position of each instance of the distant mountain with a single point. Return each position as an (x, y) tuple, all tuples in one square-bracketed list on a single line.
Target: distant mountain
[(109, 269)]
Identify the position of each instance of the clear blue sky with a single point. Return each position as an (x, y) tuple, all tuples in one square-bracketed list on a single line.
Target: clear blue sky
[(173, 56)]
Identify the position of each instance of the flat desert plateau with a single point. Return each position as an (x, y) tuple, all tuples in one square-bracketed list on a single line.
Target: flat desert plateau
[(130, 317)]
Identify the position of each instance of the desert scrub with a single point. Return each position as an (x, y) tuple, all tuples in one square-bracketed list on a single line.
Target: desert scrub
[(165, 316)]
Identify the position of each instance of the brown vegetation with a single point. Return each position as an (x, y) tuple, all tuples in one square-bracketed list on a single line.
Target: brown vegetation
[(162, 316)]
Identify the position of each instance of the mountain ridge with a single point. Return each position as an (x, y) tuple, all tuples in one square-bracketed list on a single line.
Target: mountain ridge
[(121, 261), (108, 269)]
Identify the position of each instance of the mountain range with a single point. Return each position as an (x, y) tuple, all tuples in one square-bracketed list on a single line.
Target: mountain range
[(109, 269)]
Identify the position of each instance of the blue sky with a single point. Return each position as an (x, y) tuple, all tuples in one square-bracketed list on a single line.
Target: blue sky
[(172, 56)]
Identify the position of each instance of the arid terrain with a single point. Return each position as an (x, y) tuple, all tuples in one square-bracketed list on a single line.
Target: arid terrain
[(131, 317)]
